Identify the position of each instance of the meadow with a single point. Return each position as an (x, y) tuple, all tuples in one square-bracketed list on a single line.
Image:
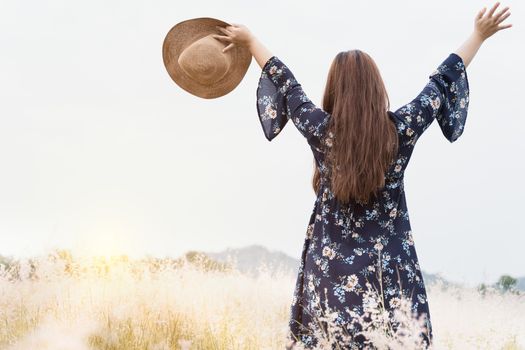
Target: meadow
[(61, 302)]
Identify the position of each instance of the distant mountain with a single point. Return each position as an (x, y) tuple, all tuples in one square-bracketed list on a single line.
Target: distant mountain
[(431, 278), (250, 258)]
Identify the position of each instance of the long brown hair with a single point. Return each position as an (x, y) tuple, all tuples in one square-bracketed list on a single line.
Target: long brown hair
[(361, 140)]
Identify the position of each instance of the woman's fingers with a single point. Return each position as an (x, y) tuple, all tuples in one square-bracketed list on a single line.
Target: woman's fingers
[(501, 13), (224, 30), (489, 22), (227, 38), (222, 37), (502, 18), (505, 26), (228, 47), (480, 13), (491, 12)]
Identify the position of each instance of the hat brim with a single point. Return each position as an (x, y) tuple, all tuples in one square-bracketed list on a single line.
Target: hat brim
[(184, 34)]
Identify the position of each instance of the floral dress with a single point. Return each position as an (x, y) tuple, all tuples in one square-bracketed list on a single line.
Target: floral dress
[(349, 249)]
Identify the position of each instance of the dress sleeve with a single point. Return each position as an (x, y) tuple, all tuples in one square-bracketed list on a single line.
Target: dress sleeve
[(445, 98), (280, 98)]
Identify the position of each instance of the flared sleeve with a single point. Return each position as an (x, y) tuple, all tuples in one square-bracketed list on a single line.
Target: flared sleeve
[(444, 98), (280, 98)]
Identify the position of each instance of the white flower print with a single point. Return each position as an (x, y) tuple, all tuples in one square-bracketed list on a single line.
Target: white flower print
[(351, 283), (310, 231), (271, 111), (329, 252), (393, 213), (435, 103), (410, 239), (395, 302)]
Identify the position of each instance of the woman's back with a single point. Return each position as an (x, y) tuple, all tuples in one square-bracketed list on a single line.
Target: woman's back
[(354, 248), (444, 97)]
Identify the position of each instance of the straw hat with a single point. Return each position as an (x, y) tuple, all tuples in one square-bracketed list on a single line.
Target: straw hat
[(195, 61)]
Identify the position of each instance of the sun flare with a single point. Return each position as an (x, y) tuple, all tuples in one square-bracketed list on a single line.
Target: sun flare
[(107, 243)]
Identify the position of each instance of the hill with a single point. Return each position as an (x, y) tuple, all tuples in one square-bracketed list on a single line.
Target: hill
[(249, 258)]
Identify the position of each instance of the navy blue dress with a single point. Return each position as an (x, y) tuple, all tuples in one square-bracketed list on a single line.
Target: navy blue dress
[(346, 246)]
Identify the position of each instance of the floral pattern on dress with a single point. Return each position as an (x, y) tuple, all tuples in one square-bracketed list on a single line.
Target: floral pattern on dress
[(349, 248)]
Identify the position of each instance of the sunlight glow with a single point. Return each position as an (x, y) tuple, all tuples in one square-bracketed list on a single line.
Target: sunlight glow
[(107, 242)]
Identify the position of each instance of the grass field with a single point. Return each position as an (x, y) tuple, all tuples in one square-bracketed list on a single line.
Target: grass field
[(63, 302)]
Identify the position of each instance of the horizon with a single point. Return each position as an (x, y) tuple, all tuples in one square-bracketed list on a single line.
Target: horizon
[(78, 254)]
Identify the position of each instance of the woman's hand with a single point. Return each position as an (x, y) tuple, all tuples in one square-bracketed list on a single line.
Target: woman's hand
[(238, 34), (486, 24), (235, 34)]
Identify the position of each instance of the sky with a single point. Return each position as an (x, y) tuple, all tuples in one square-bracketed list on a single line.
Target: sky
[(101, 152)]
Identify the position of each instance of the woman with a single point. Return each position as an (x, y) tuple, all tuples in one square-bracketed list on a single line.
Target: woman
[(359, 236)]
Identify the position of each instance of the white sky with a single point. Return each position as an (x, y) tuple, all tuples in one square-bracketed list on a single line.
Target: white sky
[(101, 151)]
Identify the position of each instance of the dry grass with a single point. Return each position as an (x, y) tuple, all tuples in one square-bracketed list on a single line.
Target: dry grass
[(60, 302)]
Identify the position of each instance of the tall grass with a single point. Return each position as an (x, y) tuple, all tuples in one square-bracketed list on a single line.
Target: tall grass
[(76, 303)]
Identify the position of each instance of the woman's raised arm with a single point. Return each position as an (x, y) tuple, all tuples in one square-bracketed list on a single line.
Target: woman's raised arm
[(485, 25), (259, 51)]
